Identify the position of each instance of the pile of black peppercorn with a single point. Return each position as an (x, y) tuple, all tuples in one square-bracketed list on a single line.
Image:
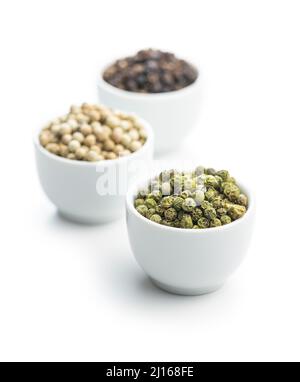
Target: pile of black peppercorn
[(150, 71)]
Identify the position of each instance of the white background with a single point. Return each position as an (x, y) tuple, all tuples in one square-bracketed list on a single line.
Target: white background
[(71, 292)]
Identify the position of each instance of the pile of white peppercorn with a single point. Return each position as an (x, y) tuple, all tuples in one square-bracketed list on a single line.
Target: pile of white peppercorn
[(93, 133)]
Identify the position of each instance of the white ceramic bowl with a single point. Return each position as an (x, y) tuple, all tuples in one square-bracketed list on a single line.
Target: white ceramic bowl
[(188, 261), (172, 115), (71, 185)]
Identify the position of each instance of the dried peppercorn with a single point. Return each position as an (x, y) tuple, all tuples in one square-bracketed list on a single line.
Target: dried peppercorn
[(170, 214), (186, 221), (196, 214), (156, 218), (215, 222), (142, 209), (198, 207), (150, 71), (93, 133)]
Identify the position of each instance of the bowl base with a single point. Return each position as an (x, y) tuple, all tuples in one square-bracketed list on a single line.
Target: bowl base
[(186, 291)]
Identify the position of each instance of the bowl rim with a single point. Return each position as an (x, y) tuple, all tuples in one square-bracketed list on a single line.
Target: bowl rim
[(107, 162), (146, 96), (142, 182)]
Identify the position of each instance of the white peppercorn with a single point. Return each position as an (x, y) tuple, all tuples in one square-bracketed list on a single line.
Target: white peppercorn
[(53, 148), (63, 150), (73, 145), (73, 124), (125, 125), (113, 121), (66, 139), (96, 149), (109, 145), (93, 132), (118, 149), (135, 145), (86, 129), (80, 153), (65, 128), (55, 129), (92, 156), (90, 140), (45, 138), (126, 140), (124, 153), (117, 135), (134, 135), (78, 137), (100, 133), (71, 156), (111, 155)]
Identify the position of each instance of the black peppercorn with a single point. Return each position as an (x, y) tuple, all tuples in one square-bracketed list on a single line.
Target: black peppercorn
[(151, 71)]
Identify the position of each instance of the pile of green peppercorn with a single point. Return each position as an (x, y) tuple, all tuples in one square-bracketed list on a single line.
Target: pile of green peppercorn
[(203, 198)]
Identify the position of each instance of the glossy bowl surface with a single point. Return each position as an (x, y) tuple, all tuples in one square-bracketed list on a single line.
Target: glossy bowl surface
[(172, 115), (188, 261), (73, 186)]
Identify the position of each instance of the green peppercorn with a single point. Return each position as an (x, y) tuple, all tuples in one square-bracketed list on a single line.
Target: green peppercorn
[(221, 211), (205, 204), (215, 222), (232, 192), (196, 214), (159, 210), (142, 209), (156, 218), (236, 211), (211, 181), (242, 200), (196, 226), (219, 180), (225, 219), (224, 174), (180, 214), (170, 214), (167, 201), (177, 203), (150, 203), (186, 194), (186, 221), (203, 222), (210, 194), (166, 223), (210, 171), (217, 202), (224, 185), (150, 212), (188, 204), (176, 223), (139, 202), (227, 204), (210, 213)]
